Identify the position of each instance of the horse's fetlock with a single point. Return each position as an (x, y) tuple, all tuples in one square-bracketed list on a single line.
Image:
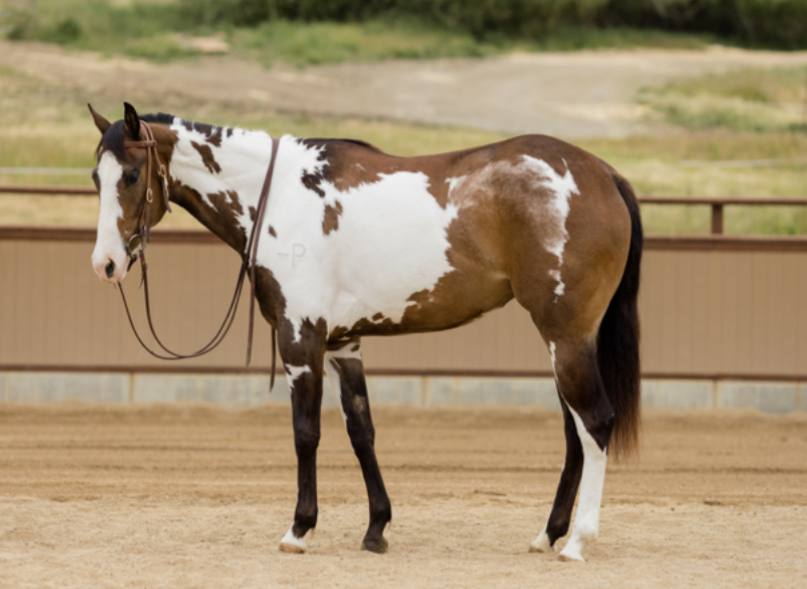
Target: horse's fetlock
[(588, 532), (303, 523), (557, 529)]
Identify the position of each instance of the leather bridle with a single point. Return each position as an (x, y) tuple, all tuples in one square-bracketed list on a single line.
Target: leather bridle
[(249, 257)]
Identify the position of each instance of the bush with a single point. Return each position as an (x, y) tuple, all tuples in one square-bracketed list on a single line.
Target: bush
[(66, 31), (776, 23)]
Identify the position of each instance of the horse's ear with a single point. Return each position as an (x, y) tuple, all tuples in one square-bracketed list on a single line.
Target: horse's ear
[(132, 121), (100, 121)]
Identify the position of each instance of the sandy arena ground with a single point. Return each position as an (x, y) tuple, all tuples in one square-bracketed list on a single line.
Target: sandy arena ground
[(199, 496)]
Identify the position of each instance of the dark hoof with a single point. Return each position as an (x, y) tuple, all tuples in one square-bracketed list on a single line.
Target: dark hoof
[(379, 545)]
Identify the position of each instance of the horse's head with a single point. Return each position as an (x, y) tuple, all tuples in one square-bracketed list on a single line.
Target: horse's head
[(130, 188)]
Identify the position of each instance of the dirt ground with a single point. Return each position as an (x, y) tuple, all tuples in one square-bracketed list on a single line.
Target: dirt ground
[(199, 496), (570, 95)]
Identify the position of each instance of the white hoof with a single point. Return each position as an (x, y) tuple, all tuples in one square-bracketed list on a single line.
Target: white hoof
[(541, 543), (571, 557), (292, 544), (571, 552)]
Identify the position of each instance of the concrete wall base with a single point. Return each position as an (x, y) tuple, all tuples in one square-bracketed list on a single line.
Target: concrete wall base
[(251, 390)]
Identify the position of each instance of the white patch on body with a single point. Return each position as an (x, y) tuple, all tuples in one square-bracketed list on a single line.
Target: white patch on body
[(291, 540), (562, 187), (453, 183), (391, 242), (109, 244)]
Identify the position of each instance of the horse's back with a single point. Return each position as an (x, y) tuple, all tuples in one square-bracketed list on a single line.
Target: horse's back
[(417, 244)]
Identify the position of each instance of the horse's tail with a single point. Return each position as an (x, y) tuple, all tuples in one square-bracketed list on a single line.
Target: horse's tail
[(618, 338)]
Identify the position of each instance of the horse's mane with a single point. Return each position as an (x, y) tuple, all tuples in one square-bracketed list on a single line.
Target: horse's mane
[(116, 134), (324, 141)]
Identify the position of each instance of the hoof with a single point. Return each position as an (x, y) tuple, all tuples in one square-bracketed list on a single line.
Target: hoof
[(570, 558), (291, 544), (379, 545), (541, 544)]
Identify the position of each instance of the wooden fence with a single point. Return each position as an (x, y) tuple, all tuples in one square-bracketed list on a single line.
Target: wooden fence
[(712, 307)]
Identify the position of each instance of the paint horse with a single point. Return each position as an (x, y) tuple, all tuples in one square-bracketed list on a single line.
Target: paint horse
[(360, 243)]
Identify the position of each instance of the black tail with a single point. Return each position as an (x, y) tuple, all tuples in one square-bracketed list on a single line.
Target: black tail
[(618, 339)]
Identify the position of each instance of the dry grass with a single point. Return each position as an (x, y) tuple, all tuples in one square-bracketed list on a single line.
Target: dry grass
[(46, 126)]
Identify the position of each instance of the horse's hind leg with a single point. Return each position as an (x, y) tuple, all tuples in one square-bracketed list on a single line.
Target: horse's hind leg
[(345, 370), (561, 515), (581, 387)]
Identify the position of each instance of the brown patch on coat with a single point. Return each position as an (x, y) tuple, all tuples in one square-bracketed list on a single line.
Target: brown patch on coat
[(207, 157), (269, 295), (212, 133), (226, 200), (272, 231), (330, 221), (378, 316)]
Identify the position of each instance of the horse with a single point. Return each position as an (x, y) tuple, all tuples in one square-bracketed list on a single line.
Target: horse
[(358, 243)]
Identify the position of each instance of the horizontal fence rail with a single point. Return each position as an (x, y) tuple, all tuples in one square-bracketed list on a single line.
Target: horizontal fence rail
[(712, 307), (717, 204)]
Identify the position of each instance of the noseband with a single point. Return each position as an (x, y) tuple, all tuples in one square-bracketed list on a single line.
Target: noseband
[(249, 257)]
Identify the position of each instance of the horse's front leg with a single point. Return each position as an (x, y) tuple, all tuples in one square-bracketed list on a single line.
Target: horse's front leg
[(345, 371), (302, 350)]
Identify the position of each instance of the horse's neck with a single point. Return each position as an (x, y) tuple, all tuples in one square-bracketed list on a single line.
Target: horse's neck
[(218, 174)]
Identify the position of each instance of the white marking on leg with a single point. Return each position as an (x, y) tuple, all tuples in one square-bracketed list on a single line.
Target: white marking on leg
[(541, 543), (552, 357), (333, 374), (336, 384), (294, 372), (292, 543), (587, 519)]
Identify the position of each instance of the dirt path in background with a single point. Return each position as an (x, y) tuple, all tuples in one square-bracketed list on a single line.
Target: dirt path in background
[(198, 496), (571, 95)]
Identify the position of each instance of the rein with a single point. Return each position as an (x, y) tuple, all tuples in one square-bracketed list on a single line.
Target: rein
[(249, 259)]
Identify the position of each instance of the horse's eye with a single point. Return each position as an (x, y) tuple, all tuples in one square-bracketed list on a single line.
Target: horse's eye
[(132, 177)]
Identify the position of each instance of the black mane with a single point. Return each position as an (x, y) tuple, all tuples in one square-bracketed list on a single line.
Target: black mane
[(114, 137)]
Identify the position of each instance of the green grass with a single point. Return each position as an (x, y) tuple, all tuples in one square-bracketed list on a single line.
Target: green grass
[(157, 30), (772, 99)]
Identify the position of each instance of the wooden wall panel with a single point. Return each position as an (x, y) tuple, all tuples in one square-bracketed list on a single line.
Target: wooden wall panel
[(704, 312)]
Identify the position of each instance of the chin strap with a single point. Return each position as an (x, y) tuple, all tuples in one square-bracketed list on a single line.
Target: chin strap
[(249, 260)]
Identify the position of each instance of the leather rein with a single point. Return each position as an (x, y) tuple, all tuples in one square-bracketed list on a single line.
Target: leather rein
[(249, 258)]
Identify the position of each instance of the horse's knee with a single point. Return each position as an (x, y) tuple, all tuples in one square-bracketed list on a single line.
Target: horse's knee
[(306, 440)]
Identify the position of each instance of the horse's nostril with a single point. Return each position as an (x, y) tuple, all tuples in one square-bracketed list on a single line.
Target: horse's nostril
[(110, 269)]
